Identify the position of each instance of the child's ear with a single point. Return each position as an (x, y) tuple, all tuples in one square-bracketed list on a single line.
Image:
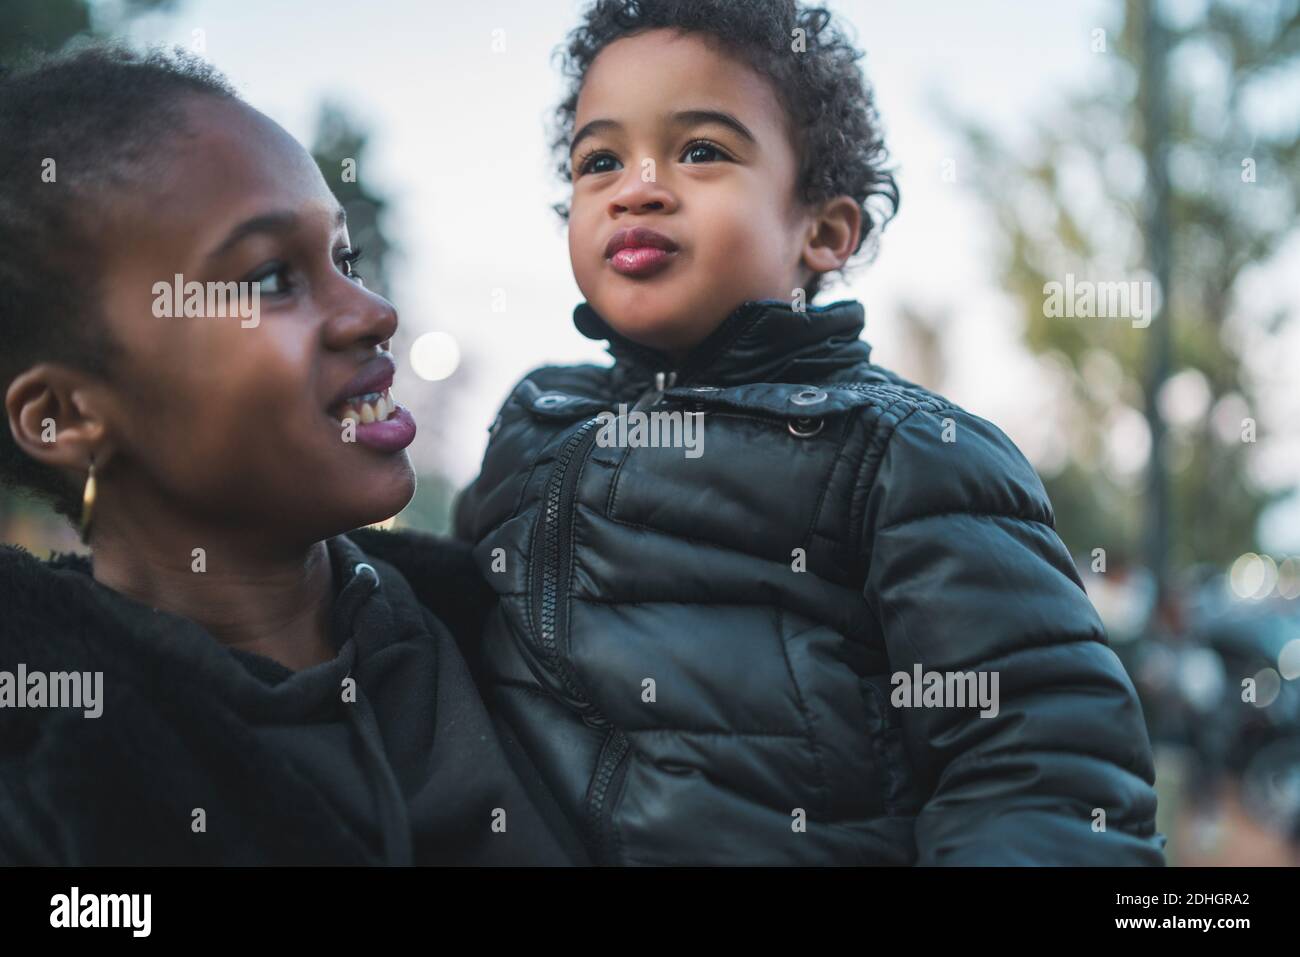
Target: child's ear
[(833, 234), (54, 414)]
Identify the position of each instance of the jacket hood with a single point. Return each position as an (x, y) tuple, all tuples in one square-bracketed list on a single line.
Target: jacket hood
[(170, 692), (56, 608), (760, 341), (180, 722), (58, 602)]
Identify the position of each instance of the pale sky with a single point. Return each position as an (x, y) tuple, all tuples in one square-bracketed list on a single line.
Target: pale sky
[(458, 143)]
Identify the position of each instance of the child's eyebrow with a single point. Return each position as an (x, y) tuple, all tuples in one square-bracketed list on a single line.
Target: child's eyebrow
[(279, 222), (700, 117), (680, 118), (591, 129)]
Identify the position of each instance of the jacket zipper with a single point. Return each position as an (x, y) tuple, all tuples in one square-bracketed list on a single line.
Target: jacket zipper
[(550, 587), (612, 752), (560, 489), (663, 382)]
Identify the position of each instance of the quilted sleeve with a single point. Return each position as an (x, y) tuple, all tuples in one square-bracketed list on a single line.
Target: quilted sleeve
[(1021, 724)]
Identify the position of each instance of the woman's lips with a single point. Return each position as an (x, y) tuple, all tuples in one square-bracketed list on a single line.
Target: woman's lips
[(377, 421), (640, 261), (391, 435), (375, 376)]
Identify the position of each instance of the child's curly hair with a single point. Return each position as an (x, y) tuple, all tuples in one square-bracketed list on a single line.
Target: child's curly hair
[(810, 63)]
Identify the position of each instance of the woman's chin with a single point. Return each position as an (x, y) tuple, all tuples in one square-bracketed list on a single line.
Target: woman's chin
[(378, 498)]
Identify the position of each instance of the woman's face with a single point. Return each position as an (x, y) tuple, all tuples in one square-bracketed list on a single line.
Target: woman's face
[(237, 420)]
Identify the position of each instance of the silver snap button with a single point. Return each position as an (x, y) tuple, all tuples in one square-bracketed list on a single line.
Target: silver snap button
[(808, 397), (698, 407), (806, 428), (550, 401)]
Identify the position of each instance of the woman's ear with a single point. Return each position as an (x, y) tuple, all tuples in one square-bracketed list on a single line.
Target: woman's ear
[(55, 415), (833, 236)]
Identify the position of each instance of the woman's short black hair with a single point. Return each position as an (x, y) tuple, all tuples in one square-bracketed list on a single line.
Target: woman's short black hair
[(811, 64), (77, 129)]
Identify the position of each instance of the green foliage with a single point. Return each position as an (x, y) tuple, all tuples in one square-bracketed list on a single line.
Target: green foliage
[(46, 25), (39, 25), (1073, 200), (339, 149)]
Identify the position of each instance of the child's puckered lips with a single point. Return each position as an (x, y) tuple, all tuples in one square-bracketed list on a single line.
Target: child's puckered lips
[(639, 251)]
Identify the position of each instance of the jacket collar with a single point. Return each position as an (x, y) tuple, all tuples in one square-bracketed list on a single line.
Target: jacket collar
[(761, 341)]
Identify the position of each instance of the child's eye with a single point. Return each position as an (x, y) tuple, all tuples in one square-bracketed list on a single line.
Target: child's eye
[(598, 161), (703, 151), (347, 260)]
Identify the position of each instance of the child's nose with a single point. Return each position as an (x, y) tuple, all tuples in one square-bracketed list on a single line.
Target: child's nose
[(642, 193)]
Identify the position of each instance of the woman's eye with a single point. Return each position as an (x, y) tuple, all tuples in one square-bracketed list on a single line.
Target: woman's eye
[(702, 153), (273, 280), (599, 163), (348, 260)]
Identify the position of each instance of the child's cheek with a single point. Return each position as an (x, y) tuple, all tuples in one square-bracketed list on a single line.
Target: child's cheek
[(584, 255), (744, 260)]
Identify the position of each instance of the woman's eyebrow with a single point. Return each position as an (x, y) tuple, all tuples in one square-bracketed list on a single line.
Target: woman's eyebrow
[(279, 222)]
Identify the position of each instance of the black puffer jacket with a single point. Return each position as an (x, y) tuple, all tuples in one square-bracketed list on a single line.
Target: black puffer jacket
[(698, 651)]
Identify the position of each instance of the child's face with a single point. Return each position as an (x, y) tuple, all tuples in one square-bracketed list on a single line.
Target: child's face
[(209, 418), (653, 148)]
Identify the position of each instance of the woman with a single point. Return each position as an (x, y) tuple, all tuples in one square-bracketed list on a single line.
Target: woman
[(228, 678)]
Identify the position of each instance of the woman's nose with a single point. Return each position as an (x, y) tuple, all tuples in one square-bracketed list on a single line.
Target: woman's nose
[(364, 319)]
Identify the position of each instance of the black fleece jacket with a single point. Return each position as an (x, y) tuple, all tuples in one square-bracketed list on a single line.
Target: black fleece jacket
[(205, 755)]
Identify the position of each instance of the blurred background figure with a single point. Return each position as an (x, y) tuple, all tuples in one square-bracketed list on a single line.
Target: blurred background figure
[(1097, 249)]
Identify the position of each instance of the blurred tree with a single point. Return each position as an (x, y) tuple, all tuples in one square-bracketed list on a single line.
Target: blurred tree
[(923, 332), (46, 25), (338, 147), (1075, 200), (39, 25)]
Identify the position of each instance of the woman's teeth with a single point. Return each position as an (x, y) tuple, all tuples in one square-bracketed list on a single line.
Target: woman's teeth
[(371, 407)]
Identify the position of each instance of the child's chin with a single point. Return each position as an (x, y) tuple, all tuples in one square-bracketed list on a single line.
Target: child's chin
[(659, 323)]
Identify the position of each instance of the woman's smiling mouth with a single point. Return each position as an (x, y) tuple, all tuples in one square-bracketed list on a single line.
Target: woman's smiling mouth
[(377, 421), (370, 415), (367, 408)]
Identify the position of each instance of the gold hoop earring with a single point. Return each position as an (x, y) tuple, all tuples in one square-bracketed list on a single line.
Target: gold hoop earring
[(88, 502)]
